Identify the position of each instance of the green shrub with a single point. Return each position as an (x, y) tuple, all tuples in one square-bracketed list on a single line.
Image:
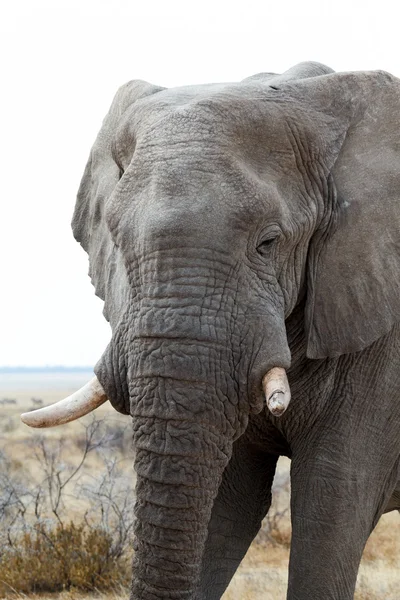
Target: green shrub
[(62, 558)]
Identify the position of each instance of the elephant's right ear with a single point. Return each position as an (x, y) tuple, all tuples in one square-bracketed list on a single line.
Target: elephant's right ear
[(102, 172), (101, 175), (353, 293)]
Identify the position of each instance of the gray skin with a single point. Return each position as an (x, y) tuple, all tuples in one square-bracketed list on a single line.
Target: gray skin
[(232, 228)]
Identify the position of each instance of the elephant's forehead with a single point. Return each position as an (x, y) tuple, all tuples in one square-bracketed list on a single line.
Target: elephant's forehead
[(235, 117), (238, 143)]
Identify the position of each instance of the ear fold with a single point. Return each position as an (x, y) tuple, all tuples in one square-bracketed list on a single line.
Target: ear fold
[(101, 175), (354, 267)]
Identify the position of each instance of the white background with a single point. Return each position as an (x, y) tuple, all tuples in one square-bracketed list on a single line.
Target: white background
[(62, 62)]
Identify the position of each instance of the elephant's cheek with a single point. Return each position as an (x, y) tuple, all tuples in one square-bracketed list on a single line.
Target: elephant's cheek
[(179, 467)]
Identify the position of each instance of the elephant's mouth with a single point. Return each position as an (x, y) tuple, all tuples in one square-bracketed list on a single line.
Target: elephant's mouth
[(275, 386)]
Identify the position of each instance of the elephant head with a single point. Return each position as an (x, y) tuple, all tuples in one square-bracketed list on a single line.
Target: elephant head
[(209, 213)]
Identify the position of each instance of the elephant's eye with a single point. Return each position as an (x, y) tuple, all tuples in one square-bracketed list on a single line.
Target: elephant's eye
[(266, 245)]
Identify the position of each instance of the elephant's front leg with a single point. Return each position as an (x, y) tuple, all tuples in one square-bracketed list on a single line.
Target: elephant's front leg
[(243, 500), (337, 499)]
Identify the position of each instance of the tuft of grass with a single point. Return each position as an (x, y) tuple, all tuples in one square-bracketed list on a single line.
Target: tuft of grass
[(71, 557)]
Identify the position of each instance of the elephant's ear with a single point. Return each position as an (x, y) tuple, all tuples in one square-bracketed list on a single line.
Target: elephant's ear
[(101, 175), (353, 295)]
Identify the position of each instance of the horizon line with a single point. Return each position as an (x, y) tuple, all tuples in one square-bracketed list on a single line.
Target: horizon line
[(44, 368)]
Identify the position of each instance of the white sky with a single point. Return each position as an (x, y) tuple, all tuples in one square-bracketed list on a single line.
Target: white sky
[(62, 62)]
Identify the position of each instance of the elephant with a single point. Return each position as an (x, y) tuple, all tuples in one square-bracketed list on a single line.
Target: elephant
[(245, 240)]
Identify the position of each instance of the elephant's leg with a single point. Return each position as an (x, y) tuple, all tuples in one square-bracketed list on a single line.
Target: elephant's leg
[(243, 500), (336, 503)]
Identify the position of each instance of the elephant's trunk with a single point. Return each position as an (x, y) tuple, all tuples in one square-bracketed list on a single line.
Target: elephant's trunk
[(179, 465), (185, 407)]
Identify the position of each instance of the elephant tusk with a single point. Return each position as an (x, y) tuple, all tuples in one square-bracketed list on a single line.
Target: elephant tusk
[(277, 391), (82, 402)]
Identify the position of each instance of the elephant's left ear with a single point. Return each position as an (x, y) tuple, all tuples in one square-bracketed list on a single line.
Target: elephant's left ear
[(353, 295)]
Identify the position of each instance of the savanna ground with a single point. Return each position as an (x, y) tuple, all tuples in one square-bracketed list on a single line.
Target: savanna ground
[(82, 474)]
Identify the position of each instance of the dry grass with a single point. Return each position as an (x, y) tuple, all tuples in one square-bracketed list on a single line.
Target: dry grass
[(118, 593), (62, 558)]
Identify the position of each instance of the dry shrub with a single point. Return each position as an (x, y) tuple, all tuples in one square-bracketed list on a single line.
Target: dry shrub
[(279, 530), (116, 436), (63, 558), (61, 527), (276, 527)]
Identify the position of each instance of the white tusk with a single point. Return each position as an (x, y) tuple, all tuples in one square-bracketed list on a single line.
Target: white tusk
[(277, 391), (82, 402)]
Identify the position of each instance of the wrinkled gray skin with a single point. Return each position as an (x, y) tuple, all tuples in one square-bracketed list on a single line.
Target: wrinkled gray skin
[(232, 228)]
